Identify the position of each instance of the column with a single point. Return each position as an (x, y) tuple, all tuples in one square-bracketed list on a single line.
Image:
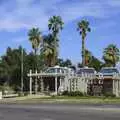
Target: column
[(36, 83), (60, 82), (56, 85), (117, 91), (42, 84), (30, 83)]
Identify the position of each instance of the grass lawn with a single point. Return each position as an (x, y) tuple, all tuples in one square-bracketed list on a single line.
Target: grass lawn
[(61, 99)]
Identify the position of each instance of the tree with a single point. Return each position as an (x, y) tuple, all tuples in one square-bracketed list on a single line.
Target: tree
[(10, 67), (79, 65), (64, 63), (95, 63), (48, 49), (91, 61), (30, 60), (83, 28), (35, 38), (111, 55), (55, 25), (88, 57), (67, 63)]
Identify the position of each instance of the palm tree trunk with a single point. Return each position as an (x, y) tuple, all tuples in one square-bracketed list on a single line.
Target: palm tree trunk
[(36, 70), (114, 62), (83, 52), (49, 63), (55, 49)]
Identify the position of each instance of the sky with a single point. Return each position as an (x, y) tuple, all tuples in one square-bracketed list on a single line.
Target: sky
[(18, 16)]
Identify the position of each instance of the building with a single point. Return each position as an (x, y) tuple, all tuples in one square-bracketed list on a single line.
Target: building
[(58, 79)]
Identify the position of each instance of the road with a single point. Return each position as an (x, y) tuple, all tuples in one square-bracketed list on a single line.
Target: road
[(59, 112)]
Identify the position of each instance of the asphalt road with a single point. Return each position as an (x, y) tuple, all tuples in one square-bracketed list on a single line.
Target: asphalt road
[(59, 112)]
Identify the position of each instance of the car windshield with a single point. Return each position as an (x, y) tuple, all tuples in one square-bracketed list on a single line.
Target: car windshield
[(109, 71), (85, 71)]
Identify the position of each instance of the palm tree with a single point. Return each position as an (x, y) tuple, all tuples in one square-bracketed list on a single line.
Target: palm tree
[(55, 25), (88, 57), (48, 49), (83, 28), (35, 38), (111, 55)]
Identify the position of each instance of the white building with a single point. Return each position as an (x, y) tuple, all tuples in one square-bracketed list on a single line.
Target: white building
[(57, 79)]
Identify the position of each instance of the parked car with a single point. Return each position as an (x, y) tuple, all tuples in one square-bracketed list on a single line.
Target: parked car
[(85, 70), (108, 71)]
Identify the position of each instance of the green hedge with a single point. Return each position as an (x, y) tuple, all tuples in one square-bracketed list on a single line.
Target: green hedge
[(109, 95), (72, 93)]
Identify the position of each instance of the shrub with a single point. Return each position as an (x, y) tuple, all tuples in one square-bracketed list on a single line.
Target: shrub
[(20, 94), (26, 93), (76, 93), (65, 93), (109, 95), (73, 93), (6, 89)]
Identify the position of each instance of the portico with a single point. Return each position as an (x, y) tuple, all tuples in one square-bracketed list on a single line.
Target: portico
[(90, 84), (48, 81)]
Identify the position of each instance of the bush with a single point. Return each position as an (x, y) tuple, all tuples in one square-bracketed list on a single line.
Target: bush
[(26, 93), (1, 88), (6, 89), (109, 95), (65, 93), (76, 93), (73, 93)]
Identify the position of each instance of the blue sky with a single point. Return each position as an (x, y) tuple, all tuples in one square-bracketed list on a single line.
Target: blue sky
[(18, 16)]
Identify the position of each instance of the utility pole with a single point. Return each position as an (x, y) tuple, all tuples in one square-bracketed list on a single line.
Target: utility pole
[(22, 70)]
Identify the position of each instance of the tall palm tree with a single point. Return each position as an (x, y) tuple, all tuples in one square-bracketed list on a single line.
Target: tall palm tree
[(55, 25), (48, 49), (35, 39), (83, 28), (111, 55)]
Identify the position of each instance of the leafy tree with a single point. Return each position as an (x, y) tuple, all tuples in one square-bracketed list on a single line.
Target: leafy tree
[(83, 28), (10, 67), (95, 63), (79, 65), (66, 63), (55, 25), (111, 55), (60, 62), (30, 60)]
